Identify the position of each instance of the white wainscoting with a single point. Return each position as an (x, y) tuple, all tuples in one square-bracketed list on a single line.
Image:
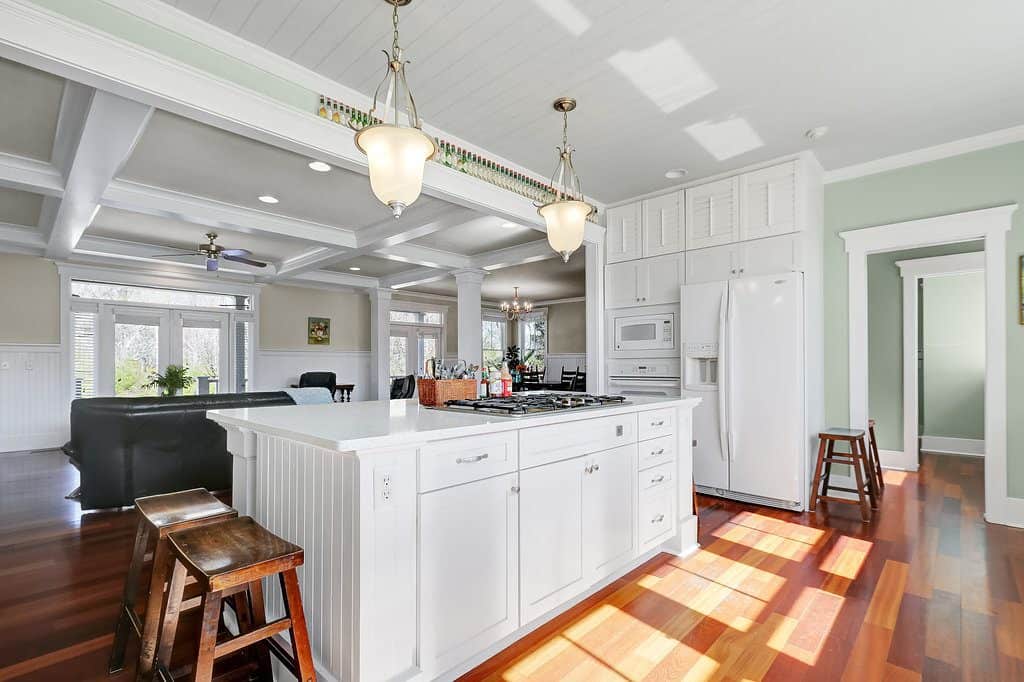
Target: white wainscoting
[(555, 362), (277, 369), (33, 411), (953, 446)]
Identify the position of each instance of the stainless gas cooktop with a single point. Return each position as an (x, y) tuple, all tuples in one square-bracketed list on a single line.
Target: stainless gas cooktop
[(533, 403)]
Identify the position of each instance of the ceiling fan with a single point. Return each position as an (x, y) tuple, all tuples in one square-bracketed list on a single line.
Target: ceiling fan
[(214, 252)]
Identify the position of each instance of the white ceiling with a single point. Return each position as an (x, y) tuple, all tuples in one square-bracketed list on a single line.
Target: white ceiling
[(539, 281), (706, 86), (28, 110), (479, 237), (19, 208), (371, 266)]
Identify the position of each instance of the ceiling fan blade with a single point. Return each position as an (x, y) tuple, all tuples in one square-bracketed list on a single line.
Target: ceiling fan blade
[(235, 252), (175, 255), (211, 265), (247, 261)]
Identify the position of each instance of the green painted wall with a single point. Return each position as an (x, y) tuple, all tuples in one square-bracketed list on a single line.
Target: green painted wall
[(885, 338), (982, 179), (127, 26), (954, 356)]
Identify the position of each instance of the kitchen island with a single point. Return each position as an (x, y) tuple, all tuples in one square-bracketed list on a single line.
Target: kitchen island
[(434, 539)]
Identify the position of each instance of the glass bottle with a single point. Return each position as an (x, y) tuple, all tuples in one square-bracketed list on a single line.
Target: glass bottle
[(322, 111)]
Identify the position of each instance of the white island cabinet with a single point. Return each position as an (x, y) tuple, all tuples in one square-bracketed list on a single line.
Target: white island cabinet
[(434, 539)]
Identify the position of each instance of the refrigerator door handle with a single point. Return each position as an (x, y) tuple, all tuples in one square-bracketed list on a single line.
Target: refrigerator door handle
[(731, 318), (723, 374)]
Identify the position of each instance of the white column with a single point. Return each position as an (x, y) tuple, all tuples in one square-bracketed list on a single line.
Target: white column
[(380, 331), (470, 315), (595, 317)]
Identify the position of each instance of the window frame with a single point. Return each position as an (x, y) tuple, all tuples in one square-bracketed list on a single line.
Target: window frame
[(537, 313), (494, 316)]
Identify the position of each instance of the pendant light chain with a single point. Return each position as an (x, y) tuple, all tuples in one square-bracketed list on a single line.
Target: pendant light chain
[(395, 49)]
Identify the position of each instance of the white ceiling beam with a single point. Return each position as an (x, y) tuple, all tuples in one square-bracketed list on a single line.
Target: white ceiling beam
[(109, 133), (415, 254), (30, 175), (412, 278), (138, 251), (74, 108), (340, 279), (16, 237), (531, 252), (140, 198)]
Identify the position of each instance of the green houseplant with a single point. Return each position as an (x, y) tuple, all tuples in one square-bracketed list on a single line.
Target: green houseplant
[(175, 378)]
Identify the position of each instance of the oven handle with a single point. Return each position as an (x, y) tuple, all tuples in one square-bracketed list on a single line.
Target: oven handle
[(645, 382)]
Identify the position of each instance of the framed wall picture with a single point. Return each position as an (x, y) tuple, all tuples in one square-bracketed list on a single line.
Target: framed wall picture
[(319, 331)]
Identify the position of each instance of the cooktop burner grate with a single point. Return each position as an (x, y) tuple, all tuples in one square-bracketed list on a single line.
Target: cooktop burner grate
[(520, 405)]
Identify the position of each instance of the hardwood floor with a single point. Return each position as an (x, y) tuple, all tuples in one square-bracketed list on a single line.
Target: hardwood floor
[(928, 591)]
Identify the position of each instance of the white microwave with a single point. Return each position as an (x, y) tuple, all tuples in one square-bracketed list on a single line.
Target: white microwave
[(648, 332)]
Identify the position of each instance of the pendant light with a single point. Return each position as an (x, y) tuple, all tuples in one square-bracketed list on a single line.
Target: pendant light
[(566, 216), (396, 153), (513, 311)]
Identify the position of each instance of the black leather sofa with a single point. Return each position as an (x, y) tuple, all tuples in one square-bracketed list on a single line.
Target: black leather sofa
[(131, 447)]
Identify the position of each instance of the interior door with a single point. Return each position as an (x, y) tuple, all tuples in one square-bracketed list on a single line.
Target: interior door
[(202, 346), (608, 503), (551, 535), (764, 386)]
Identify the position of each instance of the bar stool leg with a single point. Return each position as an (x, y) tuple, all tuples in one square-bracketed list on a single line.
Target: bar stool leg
[(869, 472), (245, 608), (208, 636), (131, 590), (876, 459), (829, 454), (817, 474), (865, 512), (300, 637), (151, 619), (169, 619)]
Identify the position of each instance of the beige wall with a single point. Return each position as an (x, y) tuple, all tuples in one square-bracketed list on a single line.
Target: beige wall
[(284, 312), (29, 300), (567, 327)]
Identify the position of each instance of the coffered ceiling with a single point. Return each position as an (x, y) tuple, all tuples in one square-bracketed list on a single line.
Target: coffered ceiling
[(540, 281), (663, 84)]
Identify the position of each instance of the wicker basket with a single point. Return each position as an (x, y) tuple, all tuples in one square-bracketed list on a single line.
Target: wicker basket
[(435, 392)]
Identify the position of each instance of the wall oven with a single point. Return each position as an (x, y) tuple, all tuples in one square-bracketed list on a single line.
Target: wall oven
[(643, 333)]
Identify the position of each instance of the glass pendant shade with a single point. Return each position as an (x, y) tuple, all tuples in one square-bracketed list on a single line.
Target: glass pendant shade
[(566, 221), (396, 156)]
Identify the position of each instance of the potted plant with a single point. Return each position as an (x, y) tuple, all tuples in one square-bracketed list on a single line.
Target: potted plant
[(175, 378)]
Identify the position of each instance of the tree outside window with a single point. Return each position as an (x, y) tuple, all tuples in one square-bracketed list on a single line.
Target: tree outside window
[(533, 338), (493, 334)]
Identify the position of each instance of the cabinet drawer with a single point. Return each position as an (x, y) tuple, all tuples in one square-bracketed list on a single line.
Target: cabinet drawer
[(657, 423), (460, 460), (655, 480), (657, 451), (544, 444), (657, 517)]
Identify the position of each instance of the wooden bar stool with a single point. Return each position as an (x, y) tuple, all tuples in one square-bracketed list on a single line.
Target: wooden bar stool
[(230, 559), (858, 460), (159, 515), (875, 460)]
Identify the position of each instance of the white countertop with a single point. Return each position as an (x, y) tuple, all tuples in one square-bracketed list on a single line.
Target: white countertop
[(383, 423)]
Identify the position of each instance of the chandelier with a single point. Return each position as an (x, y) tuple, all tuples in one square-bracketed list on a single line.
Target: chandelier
[(516, 309), (566, 216), (396, 153)]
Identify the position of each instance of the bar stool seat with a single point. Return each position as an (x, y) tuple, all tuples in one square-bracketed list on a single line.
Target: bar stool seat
[(858, 459), (229, 560), (159, 515)]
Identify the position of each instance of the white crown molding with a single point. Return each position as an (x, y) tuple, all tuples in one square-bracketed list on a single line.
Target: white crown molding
[(556, 301), (30, 175), (945, 150)]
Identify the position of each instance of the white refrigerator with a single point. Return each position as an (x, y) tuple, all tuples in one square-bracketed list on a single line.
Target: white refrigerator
[(743, 353)]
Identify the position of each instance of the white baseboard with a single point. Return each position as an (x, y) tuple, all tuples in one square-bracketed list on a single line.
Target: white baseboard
[(20, 444), (897, 460), (953, 446)]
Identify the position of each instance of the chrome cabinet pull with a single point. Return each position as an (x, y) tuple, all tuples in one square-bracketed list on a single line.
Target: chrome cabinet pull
[(588, 469), (658, 519), (661, 423), (515, 490), (655, 453), (471, 460), (658, 479), (596, 467)]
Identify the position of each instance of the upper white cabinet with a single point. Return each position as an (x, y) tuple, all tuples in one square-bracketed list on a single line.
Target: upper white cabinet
[(712, 215), (744, 259), (624, 238), (662, 225), (648, 281), (768, 201)]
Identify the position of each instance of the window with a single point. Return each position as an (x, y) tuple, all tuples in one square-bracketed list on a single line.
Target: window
[(243, 354), (416, 336), (84, 347), (494, 329), (137, 294), (533, 339), (417, 317)]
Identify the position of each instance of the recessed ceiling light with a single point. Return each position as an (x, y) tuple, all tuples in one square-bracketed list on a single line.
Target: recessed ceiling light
[(676, 173), (268, 199), (319, 166), (355, 269), (816, 133)]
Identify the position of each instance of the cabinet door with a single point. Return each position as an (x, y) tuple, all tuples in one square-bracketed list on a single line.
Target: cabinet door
[(712, 214), (660, 278), (771, 256), (622, 284), (716, 264), (768, 201), (551, 536), (609, 491), (469, 579), (662, 225), (624, 233)]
